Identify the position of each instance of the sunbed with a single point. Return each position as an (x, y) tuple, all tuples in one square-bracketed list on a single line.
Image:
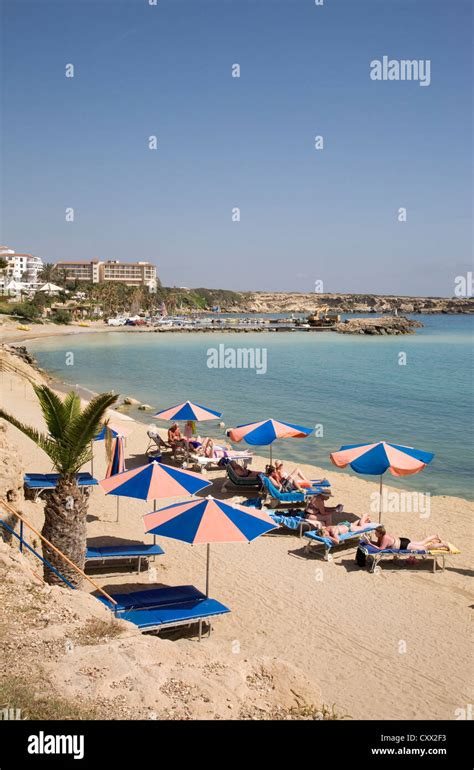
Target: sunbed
[(36, 483), (156, 443), (290, 520), (166, 607), (375, 555), (236, 476), (328, 544), (297, 498), (138, 551), (220, 456)]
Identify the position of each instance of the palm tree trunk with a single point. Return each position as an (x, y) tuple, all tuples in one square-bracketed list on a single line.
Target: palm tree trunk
[(65, 527)]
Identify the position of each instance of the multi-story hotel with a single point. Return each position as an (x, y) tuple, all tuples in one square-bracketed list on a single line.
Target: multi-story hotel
[(95, 271), (21, 268)]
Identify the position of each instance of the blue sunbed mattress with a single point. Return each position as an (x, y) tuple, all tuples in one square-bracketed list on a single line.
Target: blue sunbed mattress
[(117, 551), (175, 614), (290, 522), (376, 551), (347, 536), (50, 480), (153, 597)]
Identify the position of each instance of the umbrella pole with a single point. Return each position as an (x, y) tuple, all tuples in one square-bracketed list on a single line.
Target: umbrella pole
[(207, 569), (380, 500), (270, 454), (92, 458)]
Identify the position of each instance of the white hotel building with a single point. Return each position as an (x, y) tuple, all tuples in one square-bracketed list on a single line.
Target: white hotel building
[(21, 269)]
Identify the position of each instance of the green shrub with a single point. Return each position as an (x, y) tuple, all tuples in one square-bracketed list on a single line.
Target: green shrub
[(61, 317)]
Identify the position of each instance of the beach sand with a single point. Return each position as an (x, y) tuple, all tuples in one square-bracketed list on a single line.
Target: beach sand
[(392, 645)]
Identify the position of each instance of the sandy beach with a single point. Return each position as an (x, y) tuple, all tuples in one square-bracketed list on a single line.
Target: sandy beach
[(390, 645)]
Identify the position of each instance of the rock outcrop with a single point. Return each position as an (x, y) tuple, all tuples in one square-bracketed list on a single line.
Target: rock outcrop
[(384, 325)]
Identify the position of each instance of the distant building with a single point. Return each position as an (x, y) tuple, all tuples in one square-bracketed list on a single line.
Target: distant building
[(21, 269), (112, 271)]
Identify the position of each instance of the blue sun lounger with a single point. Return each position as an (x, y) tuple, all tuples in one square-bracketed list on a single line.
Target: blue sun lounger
[(375, 556), (167, 607), (290, 521), (42, 482), (283, 498), (327, 543), (120, 552)]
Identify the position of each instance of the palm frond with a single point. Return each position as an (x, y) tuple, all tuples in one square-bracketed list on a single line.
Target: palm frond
[(53, 410), (83, 428), (72, 406), (71, 431), (45, 443)]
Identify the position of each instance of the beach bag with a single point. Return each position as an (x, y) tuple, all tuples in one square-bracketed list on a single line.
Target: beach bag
[(361, 557)]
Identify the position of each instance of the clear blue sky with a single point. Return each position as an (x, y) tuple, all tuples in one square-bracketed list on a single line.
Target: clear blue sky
[(224, 142)]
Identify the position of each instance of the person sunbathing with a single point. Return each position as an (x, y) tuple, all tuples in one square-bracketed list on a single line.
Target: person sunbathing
[(317, 513), (288, 482), (206, 449), (243, 472), (386, 541), (333, 532)]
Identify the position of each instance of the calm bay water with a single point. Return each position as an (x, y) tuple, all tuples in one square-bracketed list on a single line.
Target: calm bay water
[(353, 386)]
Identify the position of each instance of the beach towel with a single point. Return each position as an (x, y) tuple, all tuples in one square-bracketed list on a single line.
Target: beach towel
[(442, 551)]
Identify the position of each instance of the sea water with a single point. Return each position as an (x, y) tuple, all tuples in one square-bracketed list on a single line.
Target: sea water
[(414, 390)]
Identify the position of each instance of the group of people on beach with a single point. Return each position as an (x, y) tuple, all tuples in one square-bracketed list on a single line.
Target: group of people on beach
[(321, 516), (316, 512)]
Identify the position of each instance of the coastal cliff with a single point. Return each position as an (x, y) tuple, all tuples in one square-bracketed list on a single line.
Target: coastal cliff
[(294, 302)]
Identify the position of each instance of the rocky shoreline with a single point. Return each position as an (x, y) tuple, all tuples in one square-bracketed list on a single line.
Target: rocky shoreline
[(380, 326)]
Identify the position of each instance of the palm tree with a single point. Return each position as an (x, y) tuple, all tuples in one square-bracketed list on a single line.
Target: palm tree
[(68, 445), (48, 273)]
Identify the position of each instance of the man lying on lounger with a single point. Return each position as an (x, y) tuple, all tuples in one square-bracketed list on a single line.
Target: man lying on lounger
[(390, 542), (243, 473), (317, 513), (333, 532)]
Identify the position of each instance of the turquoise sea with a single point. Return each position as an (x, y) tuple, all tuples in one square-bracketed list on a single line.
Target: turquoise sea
[(354, 387)]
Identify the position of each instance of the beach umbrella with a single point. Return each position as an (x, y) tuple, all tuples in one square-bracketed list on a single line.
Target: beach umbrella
[(266, 432), (109, 430), (153, 481), (375, 459), (117, 460), (208, 521), (188, 411)]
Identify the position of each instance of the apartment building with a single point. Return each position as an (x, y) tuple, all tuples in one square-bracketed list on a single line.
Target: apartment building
[(111, 271), (21, 268)]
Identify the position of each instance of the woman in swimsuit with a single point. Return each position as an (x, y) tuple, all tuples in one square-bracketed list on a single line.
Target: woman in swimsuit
[(287, 482), (390, 542), (345, 526), (317, 513)]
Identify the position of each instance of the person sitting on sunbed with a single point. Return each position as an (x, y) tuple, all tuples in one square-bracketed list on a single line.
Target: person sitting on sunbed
[(175, 439), (288, 482), (385, 541), (317, 513), (333, 532)]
